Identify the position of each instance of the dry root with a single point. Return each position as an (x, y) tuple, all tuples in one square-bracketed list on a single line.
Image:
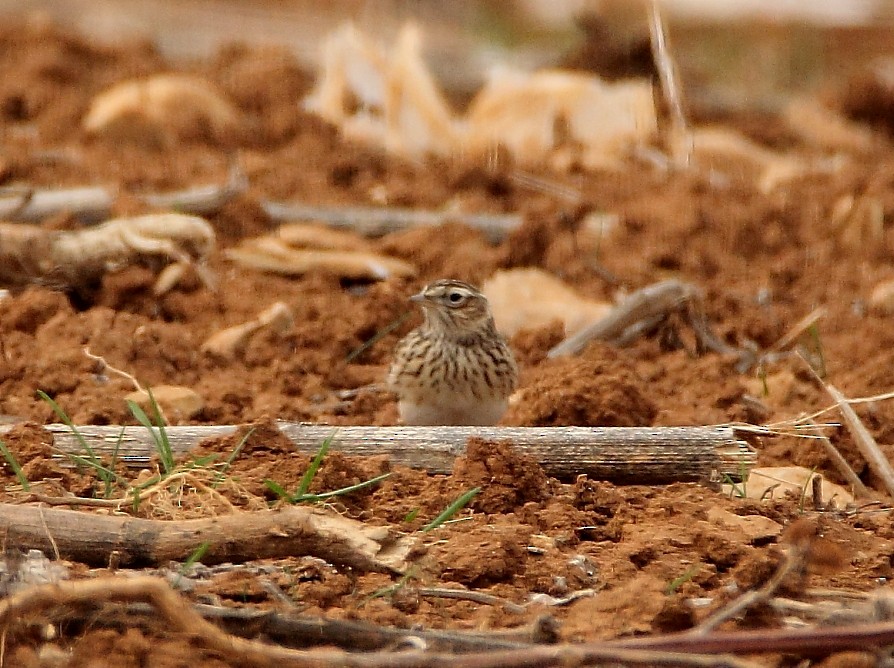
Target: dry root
[(78, 259)]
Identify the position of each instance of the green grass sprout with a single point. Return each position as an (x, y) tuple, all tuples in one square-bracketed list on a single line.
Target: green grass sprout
[(301, 495), (14, 465), (452, 509), (680, 580), (228, 462), (91, 461), (311, 472), (158, 431)]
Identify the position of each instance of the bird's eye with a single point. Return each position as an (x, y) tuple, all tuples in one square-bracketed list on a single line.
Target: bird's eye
[(455, 297)]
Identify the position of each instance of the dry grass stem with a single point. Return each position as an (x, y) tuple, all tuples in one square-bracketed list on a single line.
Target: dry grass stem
[(798, 329), (860, 490), (105, 366), (864, 440), (681, 143)]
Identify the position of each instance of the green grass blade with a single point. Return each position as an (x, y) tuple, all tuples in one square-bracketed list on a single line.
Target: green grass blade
[(14, 465), (167, 453), (101, 471), (92, 460), (452, 509), (680, 580), (228, 462), (340, 492), (159, 436), (196, 555), (308, 477), (277, 489)]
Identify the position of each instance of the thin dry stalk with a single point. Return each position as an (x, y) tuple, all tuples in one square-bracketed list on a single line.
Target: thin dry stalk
[(105, 366), (798, 329), (474, 596), (648, 305), (860, 490), (864, 440), (670, 87), (793, 562)]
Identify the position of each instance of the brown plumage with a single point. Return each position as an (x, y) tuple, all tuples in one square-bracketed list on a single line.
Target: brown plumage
[(455, 368)]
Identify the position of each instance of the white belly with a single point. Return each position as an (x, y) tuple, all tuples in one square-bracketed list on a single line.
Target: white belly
[(453, 412)]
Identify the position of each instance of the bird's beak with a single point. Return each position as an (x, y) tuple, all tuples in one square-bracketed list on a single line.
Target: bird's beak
[(419, 298)]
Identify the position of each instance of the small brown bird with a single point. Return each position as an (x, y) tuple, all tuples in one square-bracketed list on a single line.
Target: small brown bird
[(455, 368)]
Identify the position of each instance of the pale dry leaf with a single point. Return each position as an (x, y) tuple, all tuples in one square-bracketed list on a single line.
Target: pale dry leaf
[(173, 105), (534, 115), (309, 235), (751, 527), (826, 129), (776, 481), (383, 96), (271, 254), (175, 401), (530, 298), (389, 98), (230, 342)]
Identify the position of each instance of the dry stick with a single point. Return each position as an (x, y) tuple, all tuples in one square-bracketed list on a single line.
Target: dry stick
[(305, 631), (798, 329), (180, 617), (867, 445), (474, 596), (643, 455), (92, 204), (183, 618), (156, 592), (860, 490), (201, 200), (88, 204), (655, 300), (825, 639), (670, 86), (295, 530), (792, 563), (378, 221)]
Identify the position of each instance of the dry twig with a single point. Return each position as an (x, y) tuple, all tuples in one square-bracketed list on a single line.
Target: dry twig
[(91, 204), (378, 221), (793, 562), (41, 600), (864, 440), (294, 530), (642, 311), (860, 490)]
